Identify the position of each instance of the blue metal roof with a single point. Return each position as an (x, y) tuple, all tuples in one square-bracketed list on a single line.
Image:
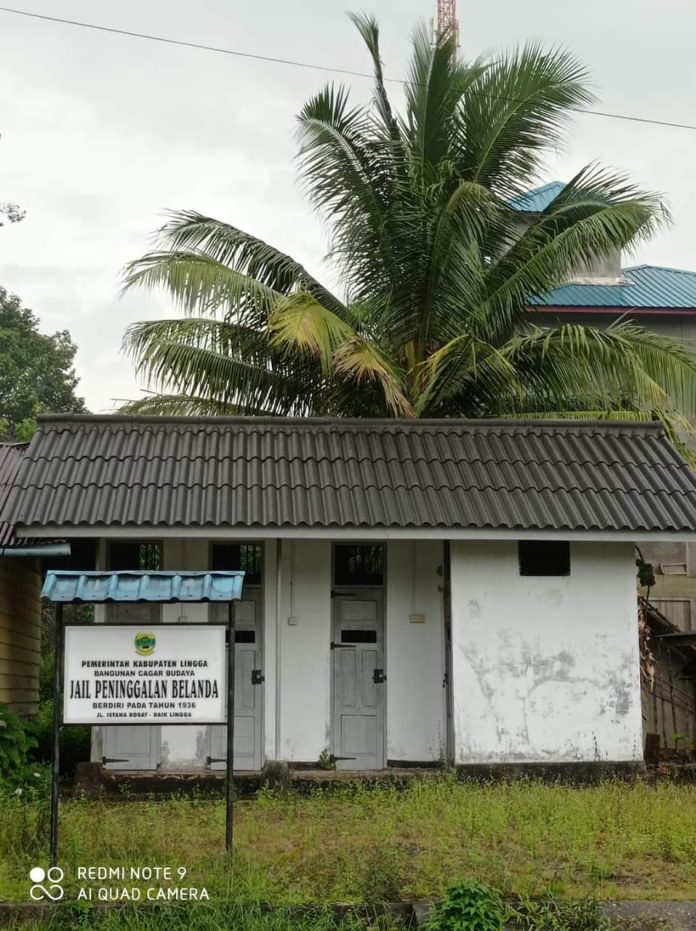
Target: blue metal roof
[(538, 199), (99, 587), (646, 286)]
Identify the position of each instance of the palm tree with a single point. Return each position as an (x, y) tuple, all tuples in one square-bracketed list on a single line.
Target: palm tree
[(435, 264)]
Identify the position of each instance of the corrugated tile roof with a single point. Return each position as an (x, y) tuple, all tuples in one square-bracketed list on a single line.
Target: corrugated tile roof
[(99, 587), (645, 286), (237, 473), (11, 455), (538, 199)]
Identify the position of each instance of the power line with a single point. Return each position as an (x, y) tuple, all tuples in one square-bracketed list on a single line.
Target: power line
[(314, 67)]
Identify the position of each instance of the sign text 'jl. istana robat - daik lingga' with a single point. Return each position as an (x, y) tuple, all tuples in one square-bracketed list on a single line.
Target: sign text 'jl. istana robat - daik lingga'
[(157, 675)]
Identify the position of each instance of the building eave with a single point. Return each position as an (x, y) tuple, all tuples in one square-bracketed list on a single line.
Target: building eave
[(608, 309), (359, 533)]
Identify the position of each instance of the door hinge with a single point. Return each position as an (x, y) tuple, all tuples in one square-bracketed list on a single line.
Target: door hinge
[(257, 677), (110, 759), (342, 646), (379, 676), (215, 759)]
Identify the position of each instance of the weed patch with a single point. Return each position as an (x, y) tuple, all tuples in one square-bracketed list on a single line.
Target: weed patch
[(611, 841)]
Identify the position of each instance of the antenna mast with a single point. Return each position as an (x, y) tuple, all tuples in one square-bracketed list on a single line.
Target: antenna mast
[(447, 23)]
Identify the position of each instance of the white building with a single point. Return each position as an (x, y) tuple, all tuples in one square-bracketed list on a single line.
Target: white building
[(416, 592)]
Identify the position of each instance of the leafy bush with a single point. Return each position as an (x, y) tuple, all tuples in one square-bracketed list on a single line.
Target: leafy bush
[(16, 740), (74, 741), (48, 661), (468, 906), (30, 782)]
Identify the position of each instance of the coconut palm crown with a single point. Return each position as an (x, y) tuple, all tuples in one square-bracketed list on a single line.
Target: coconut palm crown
[(436, 267)]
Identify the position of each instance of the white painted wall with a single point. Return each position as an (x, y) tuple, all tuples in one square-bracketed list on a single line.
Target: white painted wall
[(416, 730), (184, 553), (545, 669), (270, 627), (305, 652)]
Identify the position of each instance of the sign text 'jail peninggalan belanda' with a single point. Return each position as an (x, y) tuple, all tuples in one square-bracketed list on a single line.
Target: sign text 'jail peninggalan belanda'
[(164, 674)]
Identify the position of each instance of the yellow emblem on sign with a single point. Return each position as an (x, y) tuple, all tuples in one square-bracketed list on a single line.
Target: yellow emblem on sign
[(144, 643)]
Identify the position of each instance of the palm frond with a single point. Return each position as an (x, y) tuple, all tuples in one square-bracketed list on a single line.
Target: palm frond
[(179, 405), (369, 31), (189, 232), (585, 368), (436, 84), (437, 267), (515, 112), (201, 284), (358, 360), (303, 324), (463, 367), (600, 212)]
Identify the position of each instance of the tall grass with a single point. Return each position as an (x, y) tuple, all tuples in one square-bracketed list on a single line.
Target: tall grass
[(207, 918), (369, 845)]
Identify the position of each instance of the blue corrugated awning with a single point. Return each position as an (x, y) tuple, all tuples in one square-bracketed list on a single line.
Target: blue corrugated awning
[(98, 587)]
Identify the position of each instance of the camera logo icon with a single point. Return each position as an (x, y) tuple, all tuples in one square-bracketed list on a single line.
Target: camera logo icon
[(52, 890)]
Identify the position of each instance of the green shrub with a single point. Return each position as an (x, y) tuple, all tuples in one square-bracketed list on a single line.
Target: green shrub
[(30, 782), (16, 740), (468, 906), (74, 741), (48, 662)]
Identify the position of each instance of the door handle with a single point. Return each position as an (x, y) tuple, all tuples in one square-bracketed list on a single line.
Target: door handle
[(379, 676), (257, 677), (215, 759)]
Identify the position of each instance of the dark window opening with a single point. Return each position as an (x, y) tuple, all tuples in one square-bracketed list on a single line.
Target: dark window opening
[(133, 557), (361, 564), (543, 557), (236, 557), (358, 636), (245, 636)]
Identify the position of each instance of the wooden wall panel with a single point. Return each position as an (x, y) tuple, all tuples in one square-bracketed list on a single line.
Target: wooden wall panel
[(20, 635)]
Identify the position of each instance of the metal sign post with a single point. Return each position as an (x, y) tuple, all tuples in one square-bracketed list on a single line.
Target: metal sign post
[(231, 656), (127, 587), (57, 713)]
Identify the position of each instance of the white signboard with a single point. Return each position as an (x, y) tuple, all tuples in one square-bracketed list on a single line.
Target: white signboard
[(168, 674)]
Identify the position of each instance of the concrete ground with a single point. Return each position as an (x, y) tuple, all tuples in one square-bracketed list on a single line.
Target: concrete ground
[(675, 916)]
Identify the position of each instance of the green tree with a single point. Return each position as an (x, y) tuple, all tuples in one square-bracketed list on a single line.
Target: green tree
[(36, 371), (436, 267)]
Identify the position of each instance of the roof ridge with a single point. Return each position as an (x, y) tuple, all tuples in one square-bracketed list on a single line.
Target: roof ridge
[(452, 423), (544, 187), (663, 268)]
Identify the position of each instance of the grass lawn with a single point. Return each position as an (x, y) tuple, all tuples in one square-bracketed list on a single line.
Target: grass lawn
[(370, 845), (207, 918)]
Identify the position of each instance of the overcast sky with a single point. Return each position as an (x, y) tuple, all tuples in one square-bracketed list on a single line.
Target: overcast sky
[(102, 133)]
